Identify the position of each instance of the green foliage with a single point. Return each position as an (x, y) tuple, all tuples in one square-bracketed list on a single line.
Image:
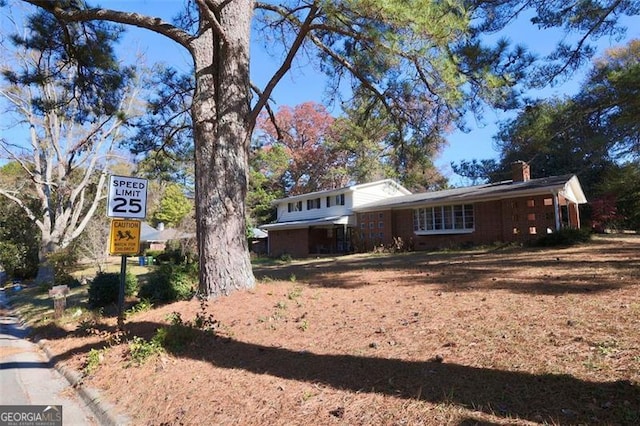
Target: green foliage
[(94, 358), (62, 262), (104, 288), (10, 257), (174, 206), (564, 237), (141, 350), (181, 334), (95, 86), (172, 255), (143, 305), (476, 171), (19, 237), (171, 283), (624, 182)]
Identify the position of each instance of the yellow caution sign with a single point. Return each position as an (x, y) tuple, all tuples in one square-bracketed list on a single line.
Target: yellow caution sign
[(125, 236)]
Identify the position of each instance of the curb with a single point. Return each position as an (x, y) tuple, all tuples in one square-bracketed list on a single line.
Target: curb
[(98, 406)]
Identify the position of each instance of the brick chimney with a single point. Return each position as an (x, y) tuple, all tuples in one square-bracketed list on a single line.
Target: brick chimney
[(520, 171)]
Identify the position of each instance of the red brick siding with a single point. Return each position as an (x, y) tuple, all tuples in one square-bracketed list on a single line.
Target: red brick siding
[(382, 222), (294, 242), (494, 222)]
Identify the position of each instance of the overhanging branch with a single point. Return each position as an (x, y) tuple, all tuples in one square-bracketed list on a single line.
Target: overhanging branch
[(156, 25), (286, 65)]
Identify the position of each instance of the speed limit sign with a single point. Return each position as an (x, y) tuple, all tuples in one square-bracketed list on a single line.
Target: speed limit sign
[(127, 197)]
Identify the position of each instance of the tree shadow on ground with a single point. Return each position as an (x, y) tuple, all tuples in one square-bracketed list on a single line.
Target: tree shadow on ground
[(557, 399), (461, 271)]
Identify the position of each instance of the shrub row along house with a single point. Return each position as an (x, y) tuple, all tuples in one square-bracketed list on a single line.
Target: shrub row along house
[(383, 213)]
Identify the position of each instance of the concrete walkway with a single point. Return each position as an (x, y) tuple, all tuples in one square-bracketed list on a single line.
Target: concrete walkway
[(27, 377)]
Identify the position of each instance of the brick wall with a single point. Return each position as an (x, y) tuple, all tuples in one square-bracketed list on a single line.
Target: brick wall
[(518, 219), (294, 242), (373, 229)]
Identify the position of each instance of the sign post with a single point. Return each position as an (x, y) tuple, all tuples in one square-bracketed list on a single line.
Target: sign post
[(127, 200)]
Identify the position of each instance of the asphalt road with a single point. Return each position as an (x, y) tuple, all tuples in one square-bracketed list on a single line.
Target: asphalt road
[(27, 378)]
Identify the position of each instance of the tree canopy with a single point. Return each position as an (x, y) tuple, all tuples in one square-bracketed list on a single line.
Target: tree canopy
[(74, 99), (424, 62), (592, 134)]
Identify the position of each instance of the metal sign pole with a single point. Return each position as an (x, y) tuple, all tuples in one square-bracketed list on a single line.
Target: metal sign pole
[(127, 199), (123, 277)]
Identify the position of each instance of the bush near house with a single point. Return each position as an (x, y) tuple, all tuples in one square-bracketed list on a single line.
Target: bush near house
[(564, 237), (171, 283), (105, 287)]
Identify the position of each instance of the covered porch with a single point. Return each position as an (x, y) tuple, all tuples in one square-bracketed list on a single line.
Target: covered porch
[(328, 235)]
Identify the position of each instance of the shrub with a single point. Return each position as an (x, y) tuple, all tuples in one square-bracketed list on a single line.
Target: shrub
[(564, 237), (171, 283), (181, 334), (140, 349), (105, 287)]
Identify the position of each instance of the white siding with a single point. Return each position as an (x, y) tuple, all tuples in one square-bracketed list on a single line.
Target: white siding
[(284, 215), (378, 191), (353, 196)]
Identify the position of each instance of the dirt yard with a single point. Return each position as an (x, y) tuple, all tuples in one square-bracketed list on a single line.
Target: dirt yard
[(512, 336)]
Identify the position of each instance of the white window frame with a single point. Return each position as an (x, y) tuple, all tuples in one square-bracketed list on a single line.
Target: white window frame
[(442, 219)]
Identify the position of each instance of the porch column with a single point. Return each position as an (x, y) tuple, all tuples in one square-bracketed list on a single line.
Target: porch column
[(574, 215), (556, 210)]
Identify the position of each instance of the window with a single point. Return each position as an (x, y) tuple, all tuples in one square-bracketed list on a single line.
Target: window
[(372, 225), (531, 217), (380, 216), (313, 204), (532, 230), (295, 207), (458, 217), (340, 200), (443, 219), (447, 216), (531, 203), (328, 202), (468, 216), (548, 201), (381, 225)]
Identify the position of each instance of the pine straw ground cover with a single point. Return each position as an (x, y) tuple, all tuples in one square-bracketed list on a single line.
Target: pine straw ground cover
[(516, 336)]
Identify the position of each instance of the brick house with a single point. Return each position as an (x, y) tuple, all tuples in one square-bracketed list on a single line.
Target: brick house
[(323, 222), (520, 209)]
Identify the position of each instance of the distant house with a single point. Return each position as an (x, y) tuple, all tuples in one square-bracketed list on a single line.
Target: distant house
[(520, 209), (156, 238)]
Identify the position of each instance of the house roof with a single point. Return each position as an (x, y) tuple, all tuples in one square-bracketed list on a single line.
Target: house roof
[(258, 233), (567, 185), (150, 234), (299, 224), (356, 187)]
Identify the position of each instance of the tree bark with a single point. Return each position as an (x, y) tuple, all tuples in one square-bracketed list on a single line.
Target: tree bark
[(222, 131)]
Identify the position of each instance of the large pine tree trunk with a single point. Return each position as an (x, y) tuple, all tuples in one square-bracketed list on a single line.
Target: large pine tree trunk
[(220, 112)]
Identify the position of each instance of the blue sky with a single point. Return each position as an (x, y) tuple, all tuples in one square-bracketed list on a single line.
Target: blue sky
[(303, 84)]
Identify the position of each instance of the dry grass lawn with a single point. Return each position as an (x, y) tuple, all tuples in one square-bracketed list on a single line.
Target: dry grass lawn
[(512, 336)]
